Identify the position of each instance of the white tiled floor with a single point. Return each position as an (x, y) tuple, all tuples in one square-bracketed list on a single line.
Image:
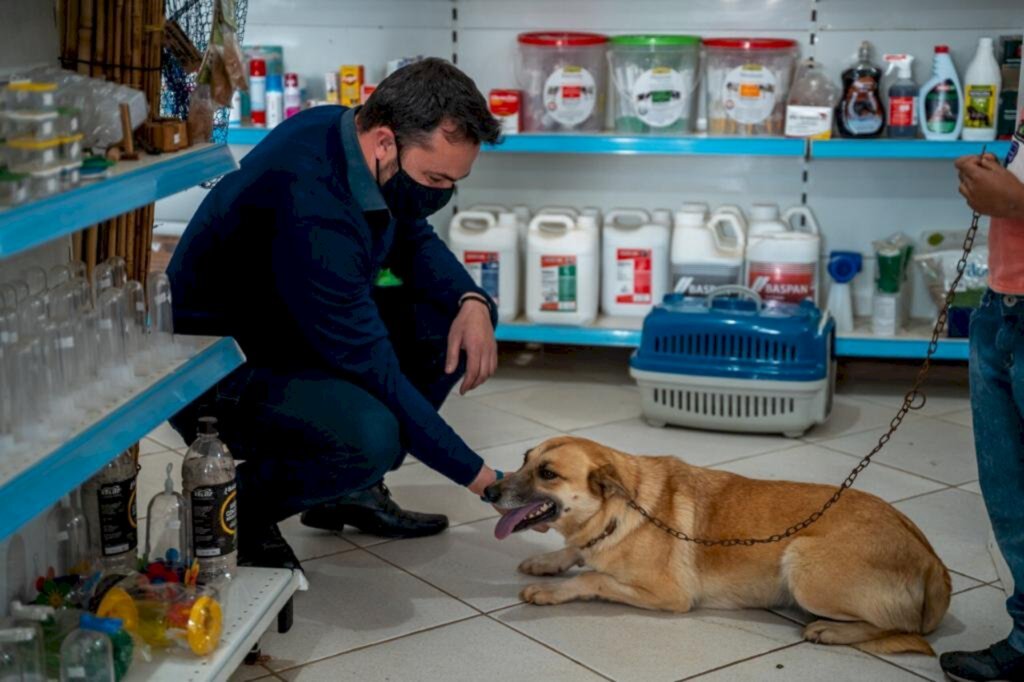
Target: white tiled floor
[(447, 607)]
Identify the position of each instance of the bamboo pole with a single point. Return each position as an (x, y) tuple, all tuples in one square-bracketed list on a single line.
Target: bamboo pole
[(91, 239), (118, 33), (84, 36), (76, 246), (99, 38), (129, 248), (136, 53)]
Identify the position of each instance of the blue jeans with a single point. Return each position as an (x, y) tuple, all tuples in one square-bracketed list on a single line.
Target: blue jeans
[(997, 403), (307, 436)]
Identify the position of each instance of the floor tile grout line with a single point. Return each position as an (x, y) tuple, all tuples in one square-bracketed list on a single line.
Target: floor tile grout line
[(544, 644), (885, 464), (549, 426), (925, 494), (896, 665), (742, 660), (363, 647)]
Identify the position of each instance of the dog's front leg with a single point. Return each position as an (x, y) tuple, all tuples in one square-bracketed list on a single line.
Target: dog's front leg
[(552, 563), (595, 585)]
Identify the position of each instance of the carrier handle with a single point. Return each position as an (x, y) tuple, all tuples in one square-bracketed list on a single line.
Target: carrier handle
[(460, 218), (640, 216), (737, 289), (805, 213)]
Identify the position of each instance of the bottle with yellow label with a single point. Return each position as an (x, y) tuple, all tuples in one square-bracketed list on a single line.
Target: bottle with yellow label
[(981, 93), (208, 480)]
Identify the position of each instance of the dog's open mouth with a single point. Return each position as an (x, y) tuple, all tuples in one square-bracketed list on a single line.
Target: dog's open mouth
[(523, 517)]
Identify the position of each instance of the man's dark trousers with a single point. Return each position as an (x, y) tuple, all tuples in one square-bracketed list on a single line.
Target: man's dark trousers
[(308, 436)]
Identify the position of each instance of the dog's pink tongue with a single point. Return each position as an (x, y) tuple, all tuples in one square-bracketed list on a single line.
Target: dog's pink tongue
[(508, 522)]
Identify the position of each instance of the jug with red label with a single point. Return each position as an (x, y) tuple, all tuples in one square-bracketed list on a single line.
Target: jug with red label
[(783, 255)]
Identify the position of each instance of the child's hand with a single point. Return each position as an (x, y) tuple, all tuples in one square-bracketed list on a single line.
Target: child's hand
[(989, 188)]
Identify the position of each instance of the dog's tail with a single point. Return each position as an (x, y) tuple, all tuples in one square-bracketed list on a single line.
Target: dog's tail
[(897, 643)]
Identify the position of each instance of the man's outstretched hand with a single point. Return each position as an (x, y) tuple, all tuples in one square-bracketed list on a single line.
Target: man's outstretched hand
[(472, 332)]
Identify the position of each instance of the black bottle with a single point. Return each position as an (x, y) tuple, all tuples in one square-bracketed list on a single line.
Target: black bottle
[(860, 112)]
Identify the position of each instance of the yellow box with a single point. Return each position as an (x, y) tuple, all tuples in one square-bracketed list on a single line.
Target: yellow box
[(350, 84)]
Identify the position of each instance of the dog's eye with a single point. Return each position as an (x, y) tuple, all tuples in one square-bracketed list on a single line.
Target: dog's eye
[(547, 474)]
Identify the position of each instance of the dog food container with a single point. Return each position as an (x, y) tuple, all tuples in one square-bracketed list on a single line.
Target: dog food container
[(26, 95), (71, 148), (562, 76), (44, 182), (730, 364), (29, 124), (747, 82), (654, 78), (26, 155), (13, 188)]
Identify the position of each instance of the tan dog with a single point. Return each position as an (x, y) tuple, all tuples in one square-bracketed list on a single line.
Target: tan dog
[(865, 569)]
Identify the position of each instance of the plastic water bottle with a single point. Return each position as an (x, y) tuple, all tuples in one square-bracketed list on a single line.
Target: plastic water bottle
[(208, 479), (110, 508), (86, 655)]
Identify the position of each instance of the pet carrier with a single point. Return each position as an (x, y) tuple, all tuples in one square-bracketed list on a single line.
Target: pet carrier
[(731, 364)]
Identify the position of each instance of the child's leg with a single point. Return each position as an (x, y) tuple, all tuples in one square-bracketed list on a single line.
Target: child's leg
[(997, 403)]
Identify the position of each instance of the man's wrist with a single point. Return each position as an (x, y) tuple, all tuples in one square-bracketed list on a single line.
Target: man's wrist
[(474, 297)]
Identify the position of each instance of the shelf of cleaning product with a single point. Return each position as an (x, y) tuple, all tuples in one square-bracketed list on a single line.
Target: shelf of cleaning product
[(34, 478), (251, 603), (132, 184), (903, 149), (624, 332)]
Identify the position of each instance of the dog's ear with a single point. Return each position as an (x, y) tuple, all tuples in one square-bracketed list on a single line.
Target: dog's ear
[(605, 481)]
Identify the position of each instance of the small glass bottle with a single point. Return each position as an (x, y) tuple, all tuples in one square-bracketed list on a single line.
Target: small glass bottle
[(167, 527), (87, 655), (208, 480), (135, 325), (110, 507), (67, 538), (161, 316), (113, 360), (21, 651)]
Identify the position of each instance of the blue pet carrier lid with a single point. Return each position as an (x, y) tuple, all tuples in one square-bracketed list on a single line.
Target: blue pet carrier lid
[(736, 338)]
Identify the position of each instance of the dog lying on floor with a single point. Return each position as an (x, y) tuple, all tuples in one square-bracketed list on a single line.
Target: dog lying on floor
[(864, 568)]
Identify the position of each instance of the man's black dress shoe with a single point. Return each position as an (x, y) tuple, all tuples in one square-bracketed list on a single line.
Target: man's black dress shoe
[(267, 548), (373, 512)]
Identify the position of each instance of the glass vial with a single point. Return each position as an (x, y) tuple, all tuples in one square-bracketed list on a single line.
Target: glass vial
[(167, 527)]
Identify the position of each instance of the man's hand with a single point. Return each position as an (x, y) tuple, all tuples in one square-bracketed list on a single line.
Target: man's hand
[(472, 331), (989, 188)]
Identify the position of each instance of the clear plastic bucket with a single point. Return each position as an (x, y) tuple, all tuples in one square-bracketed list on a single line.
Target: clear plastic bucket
[(563, 79), (655, 77), (747, 83)]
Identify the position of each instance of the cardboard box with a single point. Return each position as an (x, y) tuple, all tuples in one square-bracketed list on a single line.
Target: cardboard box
[(350, 85), (166, 134)]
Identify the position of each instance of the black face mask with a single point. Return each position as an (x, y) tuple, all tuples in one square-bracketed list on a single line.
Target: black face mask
[(409, 200)]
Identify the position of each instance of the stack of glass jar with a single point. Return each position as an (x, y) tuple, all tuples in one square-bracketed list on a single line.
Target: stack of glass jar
[(70, 347), (42, 143)]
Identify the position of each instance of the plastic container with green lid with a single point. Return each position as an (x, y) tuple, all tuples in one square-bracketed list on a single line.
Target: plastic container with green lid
[(562, 75), (655, 77)]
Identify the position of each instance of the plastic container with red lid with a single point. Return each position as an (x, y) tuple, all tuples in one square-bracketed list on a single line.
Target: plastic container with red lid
[(747, 82), (563, 78)]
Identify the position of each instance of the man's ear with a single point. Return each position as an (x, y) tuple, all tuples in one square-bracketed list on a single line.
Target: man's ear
[(605, 482)]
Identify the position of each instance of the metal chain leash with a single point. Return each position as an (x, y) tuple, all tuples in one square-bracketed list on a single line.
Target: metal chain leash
[(910, 402)]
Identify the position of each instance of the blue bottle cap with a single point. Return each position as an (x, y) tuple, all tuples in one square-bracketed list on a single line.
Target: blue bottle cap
[(108, 626), (275, 82)]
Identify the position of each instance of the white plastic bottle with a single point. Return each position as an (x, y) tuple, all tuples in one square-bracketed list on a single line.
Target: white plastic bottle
[(275, 101), (562, 270), (635, 262), (489, 250), (941, 99), (208, 481), (782, 265), (109, 501), (704, 255), (981, 94)]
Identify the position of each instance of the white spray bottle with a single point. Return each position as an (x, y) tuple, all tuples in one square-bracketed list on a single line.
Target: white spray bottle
[(941, 102)]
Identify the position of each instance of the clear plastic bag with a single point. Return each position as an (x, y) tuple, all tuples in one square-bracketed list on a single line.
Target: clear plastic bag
[(941, 253)]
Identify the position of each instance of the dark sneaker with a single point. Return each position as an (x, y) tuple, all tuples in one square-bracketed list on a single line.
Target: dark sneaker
[(1000, 662), (373, 512), (266, 548)]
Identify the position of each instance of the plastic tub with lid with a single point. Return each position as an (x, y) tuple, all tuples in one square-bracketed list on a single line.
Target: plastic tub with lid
[(26, 95), (488, 247), (747, 82), (562, 75), (655, 77), (25, 155), (562, 270)]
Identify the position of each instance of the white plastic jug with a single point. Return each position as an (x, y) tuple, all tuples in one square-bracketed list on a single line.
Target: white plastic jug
[(562, 271), (496, 209), (736, 211), (782, 262), (634, 262), (706, 253), (558, 210), (662, 216), (489, 250), (698, 207)]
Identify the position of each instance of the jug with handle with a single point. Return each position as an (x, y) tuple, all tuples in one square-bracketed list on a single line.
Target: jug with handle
[(634, 262), (765, 219), (706, 253), (489, 250), (783, 262), (562, 270)]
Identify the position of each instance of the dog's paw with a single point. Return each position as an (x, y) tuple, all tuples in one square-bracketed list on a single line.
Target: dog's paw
[(820, 632), (541, 565), (541, 595)]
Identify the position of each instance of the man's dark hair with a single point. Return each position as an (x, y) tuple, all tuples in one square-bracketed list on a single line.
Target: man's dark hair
[(418, 98)]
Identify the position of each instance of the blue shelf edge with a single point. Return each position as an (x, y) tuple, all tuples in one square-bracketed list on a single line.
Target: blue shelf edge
[(903, 149), (572, 143), (37, 222), (848, 346), (246, 135), (73, 462)]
